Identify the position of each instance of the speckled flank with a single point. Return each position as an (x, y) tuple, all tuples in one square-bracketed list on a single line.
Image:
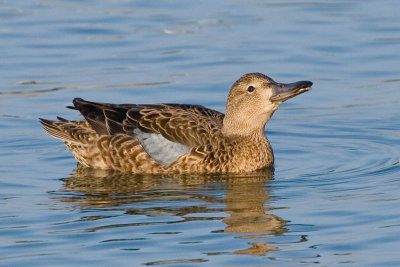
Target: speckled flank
[(206, 140)]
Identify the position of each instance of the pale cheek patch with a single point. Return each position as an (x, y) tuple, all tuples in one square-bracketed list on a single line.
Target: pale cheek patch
[(159, 148)]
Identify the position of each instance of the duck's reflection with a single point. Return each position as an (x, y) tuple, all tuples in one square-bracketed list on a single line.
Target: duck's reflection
[(245, 198)]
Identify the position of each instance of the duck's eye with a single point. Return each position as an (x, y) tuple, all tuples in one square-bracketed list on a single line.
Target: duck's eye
[(251, 89)]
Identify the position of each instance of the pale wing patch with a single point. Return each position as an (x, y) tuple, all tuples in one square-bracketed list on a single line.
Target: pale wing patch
[(159, 148)]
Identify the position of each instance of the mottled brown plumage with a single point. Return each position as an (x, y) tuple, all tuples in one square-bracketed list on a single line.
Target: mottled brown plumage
[(174, 138)]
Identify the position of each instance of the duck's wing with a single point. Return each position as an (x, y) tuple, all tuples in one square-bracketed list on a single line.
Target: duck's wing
[(166, 131), (186, 124), (104, 118)]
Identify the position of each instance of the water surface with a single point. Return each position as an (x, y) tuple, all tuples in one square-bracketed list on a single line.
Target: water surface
[(333, 197)]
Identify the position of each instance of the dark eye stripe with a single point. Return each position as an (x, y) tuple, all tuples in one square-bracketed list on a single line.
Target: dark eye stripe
[(251, 89)]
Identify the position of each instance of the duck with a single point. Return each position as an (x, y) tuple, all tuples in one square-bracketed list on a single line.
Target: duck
[(178, 138)]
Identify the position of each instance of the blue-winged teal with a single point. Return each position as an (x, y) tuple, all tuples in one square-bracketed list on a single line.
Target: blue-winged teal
[(175, 138)]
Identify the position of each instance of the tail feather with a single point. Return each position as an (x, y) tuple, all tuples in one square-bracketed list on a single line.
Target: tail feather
[(61, 119), (54, 129)]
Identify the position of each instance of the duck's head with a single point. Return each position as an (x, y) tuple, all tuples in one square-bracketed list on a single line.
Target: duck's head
[(253, 99)]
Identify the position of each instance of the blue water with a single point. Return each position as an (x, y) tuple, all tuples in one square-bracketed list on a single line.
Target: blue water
[(333, 198)]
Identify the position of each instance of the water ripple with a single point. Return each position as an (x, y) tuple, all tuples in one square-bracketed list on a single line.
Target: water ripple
[(78, 87)]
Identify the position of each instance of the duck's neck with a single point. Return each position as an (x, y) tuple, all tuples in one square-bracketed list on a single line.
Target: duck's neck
[(245, 128), (246, 124)]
